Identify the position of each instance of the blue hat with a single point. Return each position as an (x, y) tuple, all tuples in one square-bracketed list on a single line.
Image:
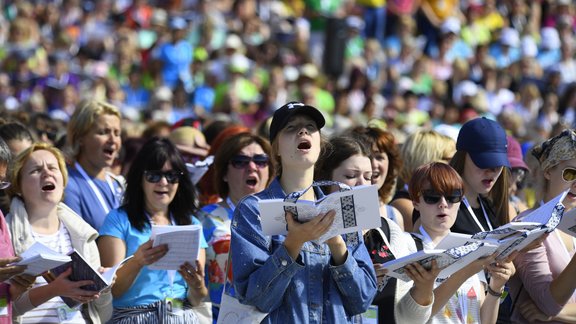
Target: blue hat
[(485, 141)]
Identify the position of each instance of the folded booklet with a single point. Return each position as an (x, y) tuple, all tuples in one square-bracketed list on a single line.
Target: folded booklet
[(524, 230), (82, 270), (356, 209), (39, 258), (449, 260)]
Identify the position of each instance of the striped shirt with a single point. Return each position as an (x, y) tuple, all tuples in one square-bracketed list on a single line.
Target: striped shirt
[(48, 311)]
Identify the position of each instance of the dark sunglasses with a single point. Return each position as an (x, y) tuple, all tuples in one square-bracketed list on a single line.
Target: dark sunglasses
[(431, 197), (242, 161), (154, 176), (569, 174)]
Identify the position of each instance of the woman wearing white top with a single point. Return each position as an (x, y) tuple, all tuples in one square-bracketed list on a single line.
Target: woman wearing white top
[(38, 178), (436, 190)]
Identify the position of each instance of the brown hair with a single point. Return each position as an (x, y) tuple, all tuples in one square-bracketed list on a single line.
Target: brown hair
[(229, 149), (441, 177)]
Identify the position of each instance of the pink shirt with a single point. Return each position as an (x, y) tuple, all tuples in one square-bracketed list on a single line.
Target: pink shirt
[(535, 270), (6, 250)]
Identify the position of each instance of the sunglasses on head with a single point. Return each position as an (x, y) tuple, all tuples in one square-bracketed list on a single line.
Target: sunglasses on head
[(431, 197), (242, 161), (154, 176), (569, 174)]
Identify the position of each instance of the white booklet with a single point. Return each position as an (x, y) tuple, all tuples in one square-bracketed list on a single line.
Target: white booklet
[(568, 222), (454, 240), (356, 209), (183, 245), (39, 258), (449, 260)]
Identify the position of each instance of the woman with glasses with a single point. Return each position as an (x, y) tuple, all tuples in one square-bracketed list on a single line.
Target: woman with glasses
[(436, 191), (290, 277), (37, 214), (94, 141), (242, 167), (158, 192), (543, 289)]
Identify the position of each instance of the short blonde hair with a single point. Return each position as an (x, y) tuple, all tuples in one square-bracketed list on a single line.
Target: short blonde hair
[(84, 118), (18, 163), (424, 146)]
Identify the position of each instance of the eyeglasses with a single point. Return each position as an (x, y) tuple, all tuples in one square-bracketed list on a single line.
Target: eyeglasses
[(569, 174), (154, 176), (432, 197), (4, 185), (242, 161)]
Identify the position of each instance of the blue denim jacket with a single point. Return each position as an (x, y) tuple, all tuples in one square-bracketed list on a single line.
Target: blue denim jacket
[(307, 290)]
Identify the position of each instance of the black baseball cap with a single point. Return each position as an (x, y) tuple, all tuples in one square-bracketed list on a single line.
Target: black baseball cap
[(283, 114)]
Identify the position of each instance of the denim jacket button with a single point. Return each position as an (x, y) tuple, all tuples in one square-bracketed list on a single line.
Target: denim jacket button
[(284, 263)]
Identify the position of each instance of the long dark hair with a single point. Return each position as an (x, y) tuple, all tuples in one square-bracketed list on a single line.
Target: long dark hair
[(152, 156)]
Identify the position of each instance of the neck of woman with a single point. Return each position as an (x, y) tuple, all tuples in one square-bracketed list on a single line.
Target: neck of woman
[(91, 169), (471, 196), (296, 180), (44, 220), (435, 235), (159, 217)]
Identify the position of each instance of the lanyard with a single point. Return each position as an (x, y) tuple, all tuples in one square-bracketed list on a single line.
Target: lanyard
[(95, 189), (230, 203), (427, 240), (467, 204)]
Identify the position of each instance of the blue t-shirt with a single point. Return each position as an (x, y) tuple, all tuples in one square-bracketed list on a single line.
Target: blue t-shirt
[(79, 196), (150, 285)]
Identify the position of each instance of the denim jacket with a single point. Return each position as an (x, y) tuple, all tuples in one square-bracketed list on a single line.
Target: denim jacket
[(306, 290)]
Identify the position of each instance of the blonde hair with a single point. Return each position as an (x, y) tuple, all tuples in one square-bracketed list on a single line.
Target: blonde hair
[(18, 163), (424, 146), (84, 118)]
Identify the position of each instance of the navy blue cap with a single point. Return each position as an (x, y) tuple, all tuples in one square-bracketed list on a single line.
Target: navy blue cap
[(283, 114), (485, 141)]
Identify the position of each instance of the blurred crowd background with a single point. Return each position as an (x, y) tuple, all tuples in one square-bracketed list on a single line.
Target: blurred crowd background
[(401, 65)]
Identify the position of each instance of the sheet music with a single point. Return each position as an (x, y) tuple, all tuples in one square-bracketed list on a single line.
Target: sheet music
[(356, 209), (183, 245), (108, 275)]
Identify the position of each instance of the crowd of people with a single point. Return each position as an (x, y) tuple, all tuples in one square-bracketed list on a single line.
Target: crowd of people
[(461, 113)]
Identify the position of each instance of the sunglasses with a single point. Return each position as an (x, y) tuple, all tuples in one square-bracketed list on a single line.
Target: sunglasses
[(569, 174), (242, 161), (154, 176), (431, 197)]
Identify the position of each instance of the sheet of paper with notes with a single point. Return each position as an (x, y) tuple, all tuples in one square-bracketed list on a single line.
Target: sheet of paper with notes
[(183, 245)]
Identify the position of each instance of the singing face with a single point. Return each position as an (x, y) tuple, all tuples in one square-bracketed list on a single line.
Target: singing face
[(100, 146), (160, 187), (560, 178), (438, 211), (354, 171), (247, 171), (41, 180), (479, 181), (299, 143)]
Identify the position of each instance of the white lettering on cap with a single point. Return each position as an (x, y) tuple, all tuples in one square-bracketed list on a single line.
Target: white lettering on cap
[(293, 104)]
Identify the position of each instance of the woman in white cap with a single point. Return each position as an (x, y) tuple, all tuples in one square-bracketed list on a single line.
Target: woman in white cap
[(290, 277)]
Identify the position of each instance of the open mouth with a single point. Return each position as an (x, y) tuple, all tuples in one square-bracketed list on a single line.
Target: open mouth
[(251, 181), (305, 145), (109, 151), (48, 187)]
